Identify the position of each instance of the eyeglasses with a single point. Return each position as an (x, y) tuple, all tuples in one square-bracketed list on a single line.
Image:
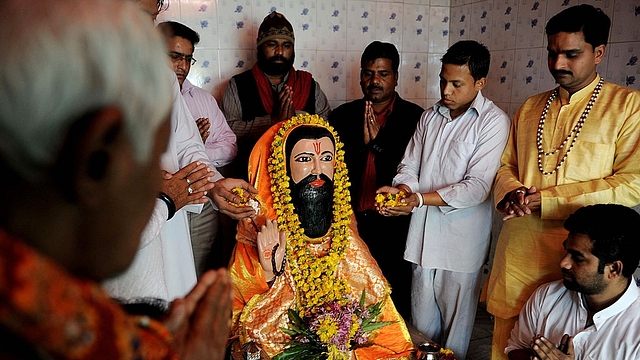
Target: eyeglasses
[(176, 57), (163, 5)]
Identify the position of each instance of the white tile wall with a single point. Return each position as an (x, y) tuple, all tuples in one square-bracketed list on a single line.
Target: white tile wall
[(413, 73), (361, 24), (439, 23), (332, 25), (415, 30), (531, 21), (353, 75), (389, 23), (480, 24), (306, 28), (504, 24), (526, 75), (500, 79), (330, 32), (624, 64)]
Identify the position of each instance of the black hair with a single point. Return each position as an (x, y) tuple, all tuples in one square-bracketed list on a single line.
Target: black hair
[(471, 53), (305, 132), (592, 22), (381, 50), (613, 231), (172, 29)]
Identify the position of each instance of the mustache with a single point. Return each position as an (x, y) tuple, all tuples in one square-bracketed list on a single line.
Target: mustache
[(276, 58), (313, 177), (373, 87), (567, 273), (565, 72)]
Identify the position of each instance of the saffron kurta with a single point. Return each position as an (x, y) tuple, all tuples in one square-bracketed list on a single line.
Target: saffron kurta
[(259, 311), (602, 167), (52, 314)]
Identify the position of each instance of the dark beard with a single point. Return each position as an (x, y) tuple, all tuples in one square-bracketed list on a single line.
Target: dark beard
[(314, 205), (591, 286), (270, 67)]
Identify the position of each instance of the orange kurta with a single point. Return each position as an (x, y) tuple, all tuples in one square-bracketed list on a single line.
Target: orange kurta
[(260, 311), (66, 317)]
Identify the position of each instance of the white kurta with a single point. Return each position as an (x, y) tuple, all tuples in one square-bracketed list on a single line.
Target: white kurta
[(457, 158), (553, 311), (164, 267)]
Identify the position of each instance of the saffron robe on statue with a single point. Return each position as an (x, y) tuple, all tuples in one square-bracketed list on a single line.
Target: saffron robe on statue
[(259, 311)]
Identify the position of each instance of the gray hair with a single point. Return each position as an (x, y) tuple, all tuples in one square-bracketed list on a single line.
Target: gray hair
[(63, 60)]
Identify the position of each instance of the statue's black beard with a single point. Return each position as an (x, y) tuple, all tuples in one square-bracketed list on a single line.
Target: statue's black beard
[(314, 205), (270, 67)]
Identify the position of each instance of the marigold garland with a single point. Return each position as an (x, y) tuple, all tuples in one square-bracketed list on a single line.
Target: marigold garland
[(315, 276)]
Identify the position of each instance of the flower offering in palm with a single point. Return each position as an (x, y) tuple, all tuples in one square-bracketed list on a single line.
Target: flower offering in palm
[(390, 200), (246, 200)]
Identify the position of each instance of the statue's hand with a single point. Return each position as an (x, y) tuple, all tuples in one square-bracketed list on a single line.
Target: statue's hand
[(268, 238)]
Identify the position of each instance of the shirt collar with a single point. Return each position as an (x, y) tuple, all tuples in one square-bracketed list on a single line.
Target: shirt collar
[(580, 94), (279, 86), (628, 297), (389, 107), (477, 104), (186, 87)]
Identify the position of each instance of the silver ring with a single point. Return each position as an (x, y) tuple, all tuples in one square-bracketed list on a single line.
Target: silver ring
[(188, 181), (511, 202), (190, 190), (519, 191)]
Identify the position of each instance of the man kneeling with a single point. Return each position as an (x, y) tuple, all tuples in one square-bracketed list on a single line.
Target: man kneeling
[(595, 314)]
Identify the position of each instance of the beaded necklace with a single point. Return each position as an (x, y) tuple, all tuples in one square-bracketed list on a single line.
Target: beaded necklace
[(573, 135)]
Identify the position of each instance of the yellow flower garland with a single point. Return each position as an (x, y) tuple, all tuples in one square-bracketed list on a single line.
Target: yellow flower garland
[(315, 276)]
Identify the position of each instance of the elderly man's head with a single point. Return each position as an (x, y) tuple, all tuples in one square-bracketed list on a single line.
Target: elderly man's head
[(151, 7), (275, 45), (83, 119)]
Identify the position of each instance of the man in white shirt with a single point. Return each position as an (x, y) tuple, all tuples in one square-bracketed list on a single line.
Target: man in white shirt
[(164, 267), (595, 314), (447, 173), (219, 140)]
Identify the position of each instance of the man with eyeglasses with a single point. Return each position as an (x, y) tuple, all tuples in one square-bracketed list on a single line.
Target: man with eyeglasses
[(219, 140)]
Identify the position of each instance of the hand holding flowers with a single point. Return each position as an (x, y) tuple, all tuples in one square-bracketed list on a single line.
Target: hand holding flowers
[(403, 205)]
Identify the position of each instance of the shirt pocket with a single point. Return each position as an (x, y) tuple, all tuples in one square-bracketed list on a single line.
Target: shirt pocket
[(588, 161), (457, 157)]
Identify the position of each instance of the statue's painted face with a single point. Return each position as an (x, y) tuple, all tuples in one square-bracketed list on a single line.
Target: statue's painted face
[(311, 166), (311, 156)]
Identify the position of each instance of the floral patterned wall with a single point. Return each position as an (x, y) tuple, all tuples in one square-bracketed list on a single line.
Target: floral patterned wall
[(331, 34), (330, 37)]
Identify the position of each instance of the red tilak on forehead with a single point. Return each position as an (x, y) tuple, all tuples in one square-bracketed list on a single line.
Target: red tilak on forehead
[(316, 147)]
